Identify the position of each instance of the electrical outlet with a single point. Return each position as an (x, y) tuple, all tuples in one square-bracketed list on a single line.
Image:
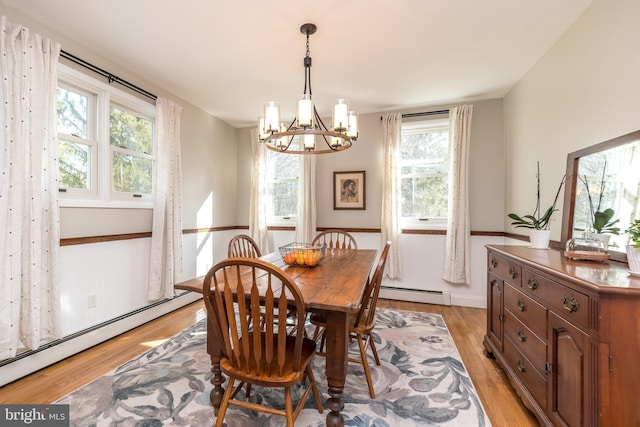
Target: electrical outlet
[(92, 300)]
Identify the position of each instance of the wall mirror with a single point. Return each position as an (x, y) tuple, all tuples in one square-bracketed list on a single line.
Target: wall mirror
[(603, 177)]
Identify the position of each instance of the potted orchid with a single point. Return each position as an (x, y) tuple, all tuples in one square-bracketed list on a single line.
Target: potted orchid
[(538, 221)]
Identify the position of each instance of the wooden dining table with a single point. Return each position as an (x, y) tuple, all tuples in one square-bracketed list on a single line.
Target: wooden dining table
[(335, 286)]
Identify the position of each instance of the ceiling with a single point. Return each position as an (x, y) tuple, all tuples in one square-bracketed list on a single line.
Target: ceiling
[(229, 57)]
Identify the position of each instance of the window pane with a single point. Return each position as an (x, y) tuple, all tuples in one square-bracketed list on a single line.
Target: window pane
[(284, 166), (73, 113), (130, 131), (430, 149), (284, 198), (282, 177), (74, 160), (424, 153), (132, 174), (424, 197)]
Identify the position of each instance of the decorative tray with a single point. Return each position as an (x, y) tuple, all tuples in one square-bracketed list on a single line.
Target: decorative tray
[(303, 254), (587, 255)]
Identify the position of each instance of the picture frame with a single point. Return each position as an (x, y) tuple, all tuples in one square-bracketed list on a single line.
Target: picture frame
[(349, 190)]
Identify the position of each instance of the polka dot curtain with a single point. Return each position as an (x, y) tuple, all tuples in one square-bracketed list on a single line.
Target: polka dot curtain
[(29, 215), (166, 233)]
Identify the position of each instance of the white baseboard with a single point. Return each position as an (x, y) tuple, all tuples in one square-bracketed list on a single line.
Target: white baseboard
[(465, 300), (428, 297), (26, 365)]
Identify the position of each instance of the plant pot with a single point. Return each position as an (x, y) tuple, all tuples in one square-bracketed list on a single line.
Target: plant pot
[(604, 238), (633, 258), (539, 239)]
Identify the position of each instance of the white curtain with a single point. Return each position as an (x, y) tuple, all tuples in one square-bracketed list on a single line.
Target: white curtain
[(258, 199), (306, 218), (456, 262), (391, 125), (166, 233), (29, 214)]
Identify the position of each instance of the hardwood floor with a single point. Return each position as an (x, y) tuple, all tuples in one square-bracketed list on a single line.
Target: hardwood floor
[(467, 326)]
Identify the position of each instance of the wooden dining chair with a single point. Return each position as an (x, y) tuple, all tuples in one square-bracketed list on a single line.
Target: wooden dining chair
[(266, 356), (243, 246), (362, 323), (337, 239)]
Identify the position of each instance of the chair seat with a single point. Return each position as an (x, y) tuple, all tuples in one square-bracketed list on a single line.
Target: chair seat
[(289, 376)]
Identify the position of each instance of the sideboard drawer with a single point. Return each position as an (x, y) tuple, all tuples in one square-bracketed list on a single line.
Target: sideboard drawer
[(530, 312), (506, 270), (566, 302), (526, 341), (527, 373)]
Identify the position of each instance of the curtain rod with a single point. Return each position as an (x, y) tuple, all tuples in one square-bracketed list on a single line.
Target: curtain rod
[(110, 77), (424, 113)]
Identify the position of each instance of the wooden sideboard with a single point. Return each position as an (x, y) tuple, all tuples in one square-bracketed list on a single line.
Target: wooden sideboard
[(567, 334)]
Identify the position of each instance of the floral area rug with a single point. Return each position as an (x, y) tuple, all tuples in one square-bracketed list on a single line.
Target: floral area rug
[(421, 382)]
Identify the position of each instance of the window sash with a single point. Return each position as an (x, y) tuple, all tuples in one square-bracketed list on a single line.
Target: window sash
[(278, 165), (101, 191), (420, 207)]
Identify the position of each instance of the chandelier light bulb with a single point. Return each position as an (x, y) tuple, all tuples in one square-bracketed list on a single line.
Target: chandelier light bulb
[(352, 132), (282, 142), (309, 142), (271, 117), (340, 117), (305, 111), (261, 132)]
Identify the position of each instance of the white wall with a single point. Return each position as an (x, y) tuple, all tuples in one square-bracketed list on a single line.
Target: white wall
[(584, 90)]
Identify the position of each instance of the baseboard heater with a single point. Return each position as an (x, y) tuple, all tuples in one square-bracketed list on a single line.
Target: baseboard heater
[(417, 295), (32, 360)]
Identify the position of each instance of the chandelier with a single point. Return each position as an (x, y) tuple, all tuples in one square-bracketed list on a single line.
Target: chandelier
[(307, 133)]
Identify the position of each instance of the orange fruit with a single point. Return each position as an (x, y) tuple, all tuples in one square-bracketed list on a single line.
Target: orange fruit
[(311, 260), (289, 258)]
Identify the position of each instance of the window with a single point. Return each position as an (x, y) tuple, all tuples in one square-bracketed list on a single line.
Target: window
[(76, 139), (106, 143), (283, 171), (131, 144), (424, 162)]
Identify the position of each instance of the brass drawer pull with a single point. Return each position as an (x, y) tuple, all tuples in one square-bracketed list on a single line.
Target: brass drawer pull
[(521, 335), (522, 306), (494, 263), (532, 284), (521, 366), (570, 304), (513, 272)]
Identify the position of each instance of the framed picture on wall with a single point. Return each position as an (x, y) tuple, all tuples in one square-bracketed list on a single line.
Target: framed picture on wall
[(349, 190)]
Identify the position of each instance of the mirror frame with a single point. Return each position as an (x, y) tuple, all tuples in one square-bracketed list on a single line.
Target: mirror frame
[(571, 181)]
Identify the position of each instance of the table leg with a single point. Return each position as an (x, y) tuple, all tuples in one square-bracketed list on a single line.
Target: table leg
[(336, 339), (214, 349)]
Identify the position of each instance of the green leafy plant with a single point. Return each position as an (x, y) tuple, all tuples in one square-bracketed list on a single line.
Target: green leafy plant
[(537, 220), (601, 220), (634, 233)]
